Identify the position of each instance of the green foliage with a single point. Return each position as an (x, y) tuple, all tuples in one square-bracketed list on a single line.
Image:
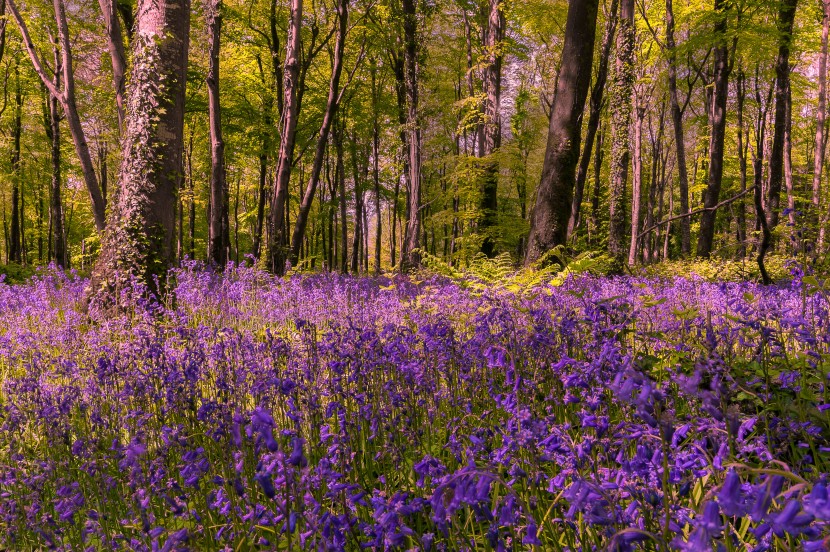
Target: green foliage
[(721, 270), (500, 272)]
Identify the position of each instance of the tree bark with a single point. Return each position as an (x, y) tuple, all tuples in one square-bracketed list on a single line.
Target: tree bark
[(636, 184), (716, 140), (743, 143), (291, 111), (376, 169), (118, 57), (786, 17), (821, 122), (140, 237), (15, 234), (332, 103), (409, 255), (218, 231), (554, 195), (492, 123), (679, 135), (56, 235), (595, 111), (621, 93)]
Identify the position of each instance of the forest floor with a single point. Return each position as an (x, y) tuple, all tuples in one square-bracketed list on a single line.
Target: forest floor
[(338, 413)]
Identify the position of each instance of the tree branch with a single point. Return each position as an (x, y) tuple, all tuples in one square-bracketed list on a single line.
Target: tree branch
[(30, 47), (695, 212)]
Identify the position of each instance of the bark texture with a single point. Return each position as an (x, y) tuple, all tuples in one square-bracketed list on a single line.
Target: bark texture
[(621, 111), (140, 237), (711, 196), (549, 220)]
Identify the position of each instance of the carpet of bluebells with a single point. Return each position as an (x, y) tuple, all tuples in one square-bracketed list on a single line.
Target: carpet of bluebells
[(333, 413)]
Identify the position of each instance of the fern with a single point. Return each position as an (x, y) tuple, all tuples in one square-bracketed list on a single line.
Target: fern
[(500, 272)]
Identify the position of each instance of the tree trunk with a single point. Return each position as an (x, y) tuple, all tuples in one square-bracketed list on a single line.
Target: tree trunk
[(218, 231), (291, 112), (118, 57), (140, 236), (742, 162), (786, 17), (821, 121), (716, 140), (340, 176), (332, 103), (788, 161), (554, 195), (595, 111), (15, 238), (492, 125), (621, 93), (56, 237), (679, 136), (409, 255), (636, 184), (376, 169)]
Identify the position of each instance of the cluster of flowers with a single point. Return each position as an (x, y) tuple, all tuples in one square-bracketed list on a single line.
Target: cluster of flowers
[(333, 413)]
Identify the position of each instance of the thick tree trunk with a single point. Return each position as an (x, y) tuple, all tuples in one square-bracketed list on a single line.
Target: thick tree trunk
[(492, 125), (821, 121), (621, 93), (218, 231), (332, 103), (786, 17), (409, 255), (554, 195), (679, 136), (595, 111), (291, 112), (711, 196), (67, 100), (140, 236)]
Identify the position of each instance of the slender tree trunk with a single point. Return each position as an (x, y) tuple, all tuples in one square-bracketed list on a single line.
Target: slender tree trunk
[(742, 162), (492, 126), (636, 184), (409, 255), (711, 196), (290, 115), (56, 238), (595, 111), (323, 136), (357, 238), (118, 57), (821, 123), (621, 112), (593, 224), (679, 136), (140, 238), (218, 231), (15, 240), (376, 169), (554, 195), (786, 17), (340, 174), (788, 161)]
